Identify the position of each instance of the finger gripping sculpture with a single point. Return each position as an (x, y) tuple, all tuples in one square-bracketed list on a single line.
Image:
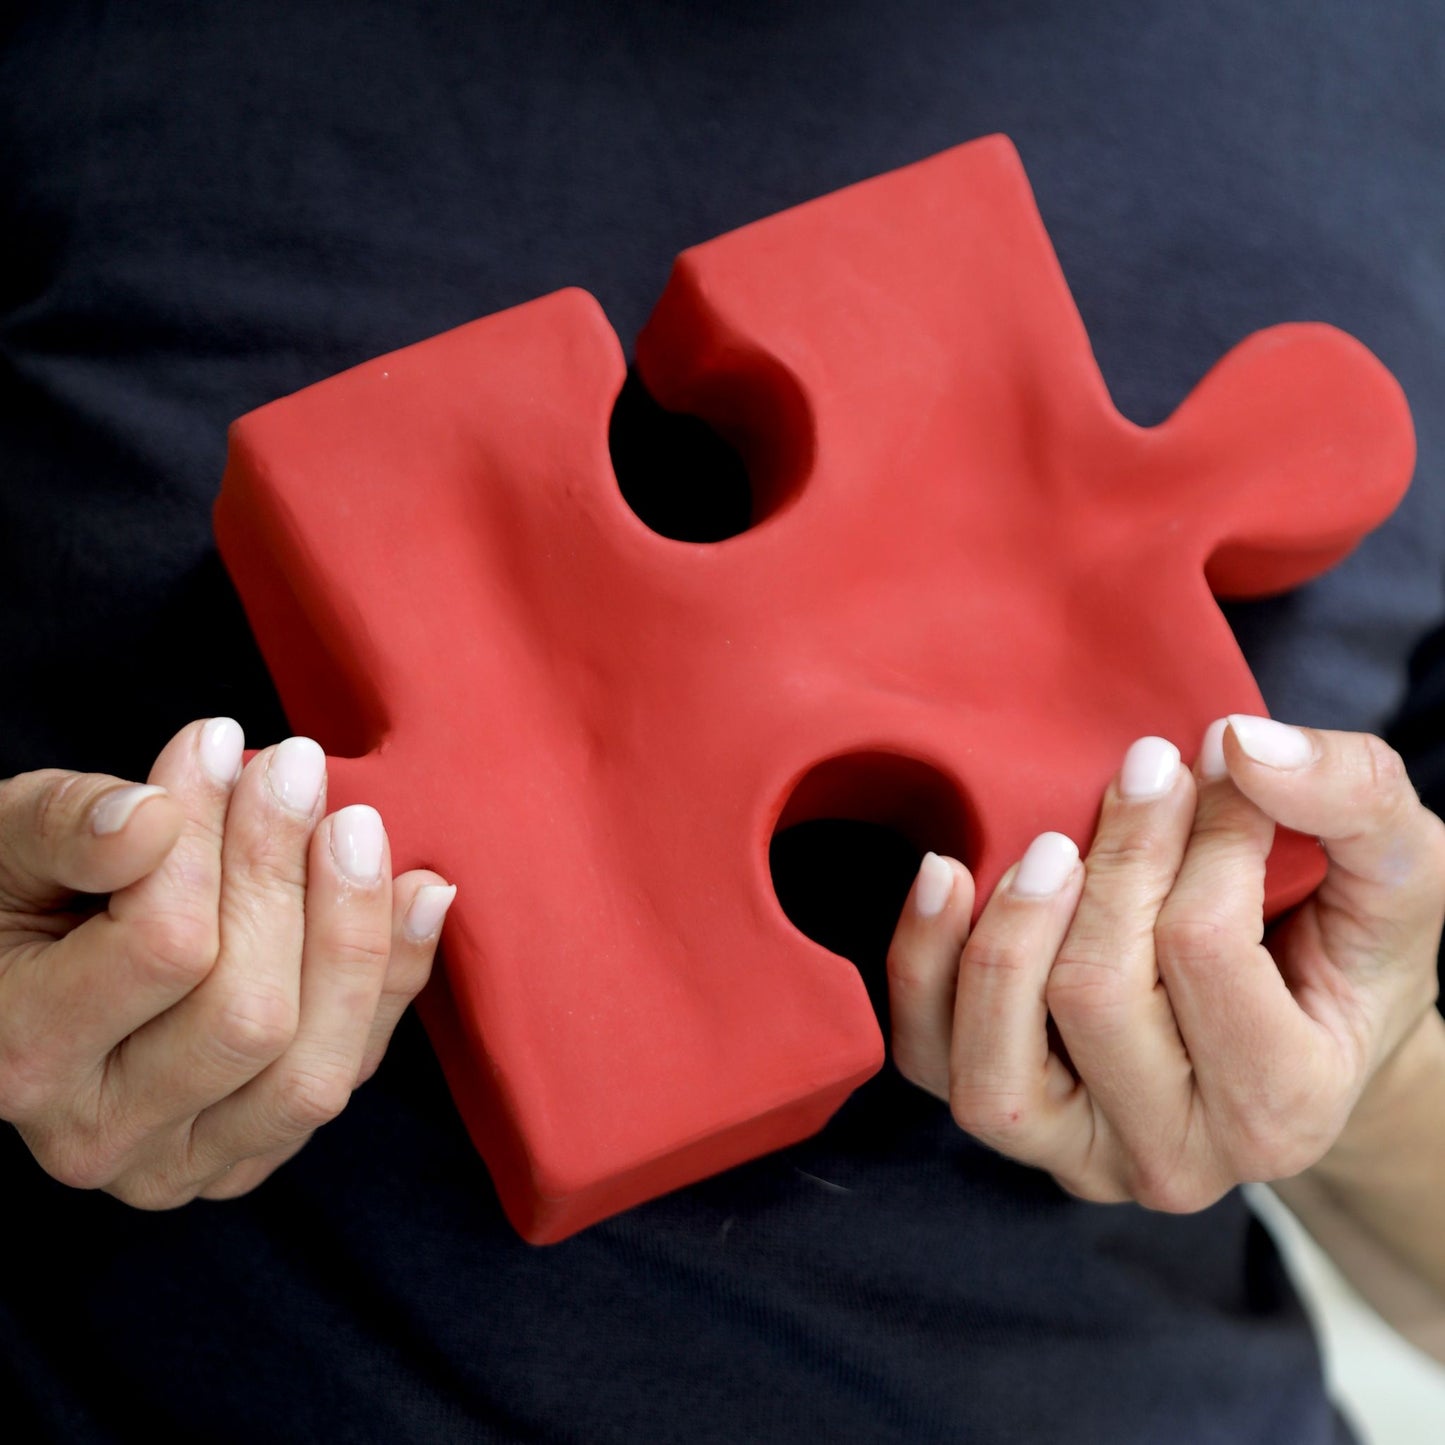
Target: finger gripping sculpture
[(969, 585)]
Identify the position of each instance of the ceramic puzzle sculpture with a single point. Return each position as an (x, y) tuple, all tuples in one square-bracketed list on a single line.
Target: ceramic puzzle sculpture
[(969, 585)]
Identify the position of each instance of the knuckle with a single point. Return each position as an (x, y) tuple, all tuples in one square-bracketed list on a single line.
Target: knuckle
[(1192, 940), (407, 974), (179, 947), (1264, 1161), (1224, 831), (74, 1170), (151, 1191), (360, 946), (1256, 1164), (1385, 772), (1128, 851), (277, 869), (1279, 1141), (26, 1085), (74, 1160), (369, 1065), (241, 1178), (1380, 789), (1091, 1189), (905, 1060), (256, 1027), (308, 1099), (52, 803), (988, 954), (1173, 1189), (228, 1186), (32, 810), (1433, 845), (1084, 988), (902, 968), (915, 1064), (997, 1117)]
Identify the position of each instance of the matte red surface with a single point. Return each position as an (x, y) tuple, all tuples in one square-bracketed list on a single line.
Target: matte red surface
[(970, 585)]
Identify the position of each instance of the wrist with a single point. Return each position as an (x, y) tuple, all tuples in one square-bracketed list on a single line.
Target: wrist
[(1399, 1119)]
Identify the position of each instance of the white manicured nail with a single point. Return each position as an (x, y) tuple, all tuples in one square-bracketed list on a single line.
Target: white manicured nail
[(221, 744), (357, 840), (297, 769), (1149, 768), (1276, 745), (1211, 751), (1046, 866), (935, 883), (428, 910), (113, 811)]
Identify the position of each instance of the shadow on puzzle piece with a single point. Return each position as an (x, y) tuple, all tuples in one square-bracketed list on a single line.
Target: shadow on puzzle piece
[(969, 585)]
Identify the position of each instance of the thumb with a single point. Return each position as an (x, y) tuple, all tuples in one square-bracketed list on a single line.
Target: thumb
[(63, 833), (1351, 790)]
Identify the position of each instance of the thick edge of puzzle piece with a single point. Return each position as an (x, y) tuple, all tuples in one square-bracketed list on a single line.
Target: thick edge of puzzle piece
[(547, 1191), (261, 522), (546, 1207)]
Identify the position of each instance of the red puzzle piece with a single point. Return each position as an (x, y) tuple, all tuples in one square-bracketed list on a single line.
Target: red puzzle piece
[(970, 585)]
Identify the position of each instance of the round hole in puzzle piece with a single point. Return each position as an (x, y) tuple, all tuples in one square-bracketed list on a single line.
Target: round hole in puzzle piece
[(842, 881), (848, 843), (681, 478)]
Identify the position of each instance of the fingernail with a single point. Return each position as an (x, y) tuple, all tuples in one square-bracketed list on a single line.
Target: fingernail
[(1211, 751), (935, 883), (1046, 866), (221, 743), (113, 811), (357, 839), (428, 909), (1276, 745), (295, 774), (1149, 768)]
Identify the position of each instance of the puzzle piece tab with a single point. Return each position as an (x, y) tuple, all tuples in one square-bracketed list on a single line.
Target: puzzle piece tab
[(970, 584)]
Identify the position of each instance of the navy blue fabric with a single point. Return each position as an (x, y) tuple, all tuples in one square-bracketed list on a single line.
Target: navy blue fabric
[(210, 206)]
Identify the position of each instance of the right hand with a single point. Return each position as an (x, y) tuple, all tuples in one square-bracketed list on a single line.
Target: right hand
[(187, 1036)]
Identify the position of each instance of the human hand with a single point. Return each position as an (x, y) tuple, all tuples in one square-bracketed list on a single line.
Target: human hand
[(1189, 1054), (244, 978)]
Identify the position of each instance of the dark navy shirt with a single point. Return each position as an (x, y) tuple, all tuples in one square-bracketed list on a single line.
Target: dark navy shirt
[(208, 206)]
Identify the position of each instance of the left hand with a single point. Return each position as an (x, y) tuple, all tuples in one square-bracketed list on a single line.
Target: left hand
[(1198, 1054)]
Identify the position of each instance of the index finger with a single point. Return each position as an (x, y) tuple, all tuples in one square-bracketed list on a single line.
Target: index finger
[(923, 970), (97, 985), (1352, 792)]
